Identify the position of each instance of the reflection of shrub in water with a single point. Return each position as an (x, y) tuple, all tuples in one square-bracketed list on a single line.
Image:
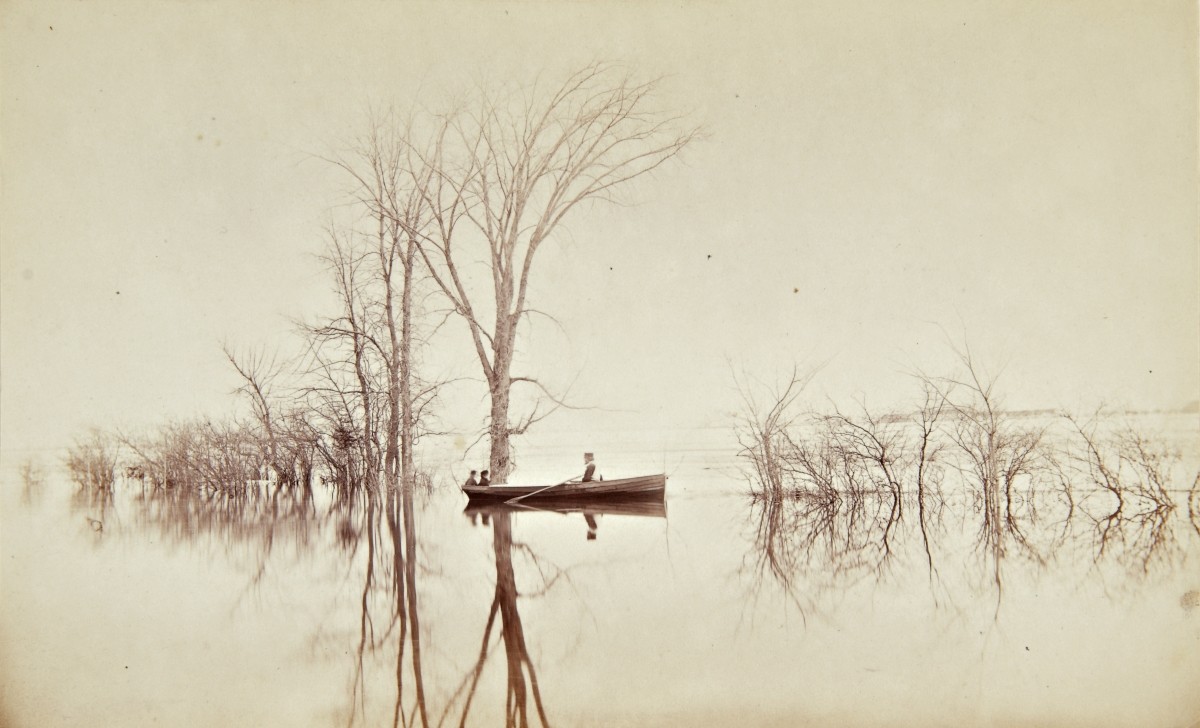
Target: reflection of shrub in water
[(812, 545), (1138, 541), (830, 489), (997, 453), (1134, 523), (33, 483)]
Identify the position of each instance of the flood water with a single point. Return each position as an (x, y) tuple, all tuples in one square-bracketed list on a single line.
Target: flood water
[(279, 609)]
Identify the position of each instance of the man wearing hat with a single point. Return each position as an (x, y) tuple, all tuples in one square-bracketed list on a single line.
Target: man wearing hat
[(589, 469)]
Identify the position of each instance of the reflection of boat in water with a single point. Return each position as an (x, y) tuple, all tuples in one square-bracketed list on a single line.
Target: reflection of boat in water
[(653, 507), (642, 487)]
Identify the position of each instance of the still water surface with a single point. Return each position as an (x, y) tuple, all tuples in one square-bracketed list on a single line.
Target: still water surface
[(151, 608)]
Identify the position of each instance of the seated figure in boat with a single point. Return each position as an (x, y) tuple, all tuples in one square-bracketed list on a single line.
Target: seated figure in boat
[(484, 479), (471, 480), (589, 468)]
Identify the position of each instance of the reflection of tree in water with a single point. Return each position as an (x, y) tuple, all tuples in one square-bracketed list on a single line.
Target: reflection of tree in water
[(1132, 515), (376, 536), (1140, 542), (391, 575), (96, 505), (90, 464), (830, 490), (811, 544), (521, 680), (375, 532)]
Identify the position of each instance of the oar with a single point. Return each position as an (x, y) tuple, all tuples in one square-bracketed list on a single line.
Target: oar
[(539, 490)]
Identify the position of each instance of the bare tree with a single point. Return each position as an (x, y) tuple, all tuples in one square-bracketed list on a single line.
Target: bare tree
[(341, 349), (928, 473), (763, 433), (393, 182), (999, 452), (506, 171), (285, 455), (871, 452)]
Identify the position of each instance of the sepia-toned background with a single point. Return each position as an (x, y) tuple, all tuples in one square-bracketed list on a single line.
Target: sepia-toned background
[(873, 182), (876, 186)]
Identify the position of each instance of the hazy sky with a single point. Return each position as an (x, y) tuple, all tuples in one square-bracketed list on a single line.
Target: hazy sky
[(874, 178)]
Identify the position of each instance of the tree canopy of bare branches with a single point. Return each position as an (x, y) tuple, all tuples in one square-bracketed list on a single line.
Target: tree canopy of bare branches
[(492, 180)]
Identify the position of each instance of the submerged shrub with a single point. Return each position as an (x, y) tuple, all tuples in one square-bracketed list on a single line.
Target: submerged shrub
[(91, 461)]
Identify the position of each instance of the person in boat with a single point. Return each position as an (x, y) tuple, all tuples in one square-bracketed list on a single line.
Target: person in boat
[(471, 480), (484, 479), (589, 468)]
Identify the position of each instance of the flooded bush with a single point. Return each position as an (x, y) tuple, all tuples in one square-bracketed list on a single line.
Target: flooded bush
[(195, 455), (1122, 461), (765, 434), (838, 483), (218, 456), (92, 460)]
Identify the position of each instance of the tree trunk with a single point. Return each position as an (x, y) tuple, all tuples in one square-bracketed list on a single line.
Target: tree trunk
[(500, 386), (499, 461), (407, 419), (368, 451), (393, 360)]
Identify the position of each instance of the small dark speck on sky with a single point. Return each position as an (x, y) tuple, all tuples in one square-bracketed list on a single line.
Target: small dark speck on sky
[(118, 293), (795, 290), (710, 257)]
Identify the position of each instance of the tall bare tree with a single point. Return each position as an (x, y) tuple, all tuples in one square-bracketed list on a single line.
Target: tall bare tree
[(344, 349), (507, 170), (392, 179)]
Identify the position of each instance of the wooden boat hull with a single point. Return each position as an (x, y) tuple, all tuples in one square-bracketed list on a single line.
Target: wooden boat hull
[(649, 507), (642, 486)]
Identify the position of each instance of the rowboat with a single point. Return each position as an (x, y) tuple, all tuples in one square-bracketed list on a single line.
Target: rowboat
[(642, 486)]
